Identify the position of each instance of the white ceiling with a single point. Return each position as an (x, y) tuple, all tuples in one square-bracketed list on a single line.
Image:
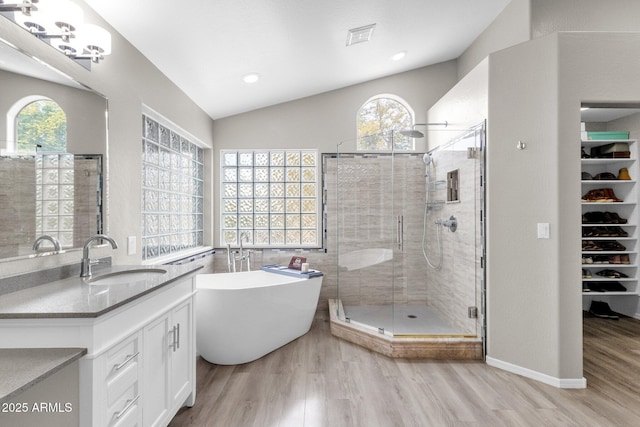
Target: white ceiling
[(296, 46)]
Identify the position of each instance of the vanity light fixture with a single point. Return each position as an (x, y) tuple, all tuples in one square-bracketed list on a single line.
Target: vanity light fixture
[(60, 22)]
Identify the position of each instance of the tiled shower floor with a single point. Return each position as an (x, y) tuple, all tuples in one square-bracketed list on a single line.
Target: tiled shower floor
[(401, 319)]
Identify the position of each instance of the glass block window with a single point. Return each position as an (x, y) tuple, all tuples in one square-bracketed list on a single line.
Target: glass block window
[(271, 197), (55, 197), (172, 191)]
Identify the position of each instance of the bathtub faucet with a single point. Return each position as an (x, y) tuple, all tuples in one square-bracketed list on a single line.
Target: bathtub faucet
[(241, 255), (244, 255)]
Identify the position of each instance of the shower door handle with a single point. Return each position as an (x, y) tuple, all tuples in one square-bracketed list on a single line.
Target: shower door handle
[(400, 232)]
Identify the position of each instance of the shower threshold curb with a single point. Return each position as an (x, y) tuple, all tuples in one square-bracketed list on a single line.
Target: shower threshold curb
[(441, 347)]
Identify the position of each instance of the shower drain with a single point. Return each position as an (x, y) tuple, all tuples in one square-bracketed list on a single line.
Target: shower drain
[(412, 316)]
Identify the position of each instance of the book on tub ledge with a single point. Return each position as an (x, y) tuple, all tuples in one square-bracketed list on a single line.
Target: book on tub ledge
[(282, 269)]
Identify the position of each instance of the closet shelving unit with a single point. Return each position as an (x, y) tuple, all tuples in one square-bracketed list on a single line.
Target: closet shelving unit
[(627, 190)]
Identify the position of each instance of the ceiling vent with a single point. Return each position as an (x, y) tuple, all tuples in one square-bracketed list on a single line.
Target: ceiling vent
[(360, 34)]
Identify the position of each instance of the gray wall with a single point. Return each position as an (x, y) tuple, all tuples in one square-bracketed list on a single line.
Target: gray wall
[(535, 302), (522, 190), (549, 16), (524, 20), (511, 27)]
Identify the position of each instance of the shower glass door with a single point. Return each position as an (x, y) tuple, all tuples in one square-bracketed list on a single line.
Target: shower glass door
[(360, 196), (401, 269)]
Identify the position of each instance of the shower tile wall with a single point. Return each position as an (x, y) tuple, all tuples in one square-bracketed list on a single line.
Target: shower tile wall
[(17, 200), (456, 286), (88, 196)]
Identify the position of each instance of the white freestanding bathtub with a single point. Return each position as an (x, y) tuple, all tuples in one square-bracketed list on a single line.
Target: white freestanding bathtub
[(243, 316)]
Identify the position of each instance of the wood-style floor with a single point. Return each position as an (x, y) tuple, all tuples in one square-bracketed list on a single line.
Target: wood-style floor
[(320, 380)]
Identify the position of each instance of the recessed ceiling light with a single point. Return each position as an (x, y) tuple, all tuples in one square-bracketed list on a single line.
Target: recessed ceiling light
[(251, 78), (398, 56)]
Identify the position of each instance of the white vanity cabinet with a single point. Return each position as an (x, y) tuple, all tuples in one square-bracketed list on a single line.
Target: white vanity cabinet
[(140, 363), (145, 377), (168, 364)]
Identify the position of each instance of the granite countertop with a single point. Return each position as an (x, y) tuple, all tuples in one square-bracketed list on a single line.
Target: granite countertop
[(76, 297), (21, 368)]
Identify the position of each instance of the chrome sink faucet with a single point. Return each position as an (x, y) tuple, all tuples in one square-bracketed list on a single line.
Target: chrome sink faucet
[(53, 240), (85, 265)]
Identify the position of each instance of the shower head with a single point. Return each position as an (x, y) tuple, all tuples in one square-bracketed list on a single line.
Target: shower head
[(412, 133), (427, 159)]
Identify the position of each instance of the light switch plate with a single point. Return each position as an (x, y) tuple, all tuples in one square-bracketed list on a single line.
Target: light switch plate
[(543, 230), (131, 245)]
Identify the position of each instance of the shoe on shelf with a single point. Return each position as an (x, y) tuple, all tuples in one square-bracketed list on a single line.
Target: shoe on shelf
[(605, 176), (586, 176), (624, 259), (585, 287), (601, 309), (606, 287), (611, 274), (601, 259), (584, 155), (590, 245), (618, 232), (611, 245), (613, 218), (615, 259), (586, 274), (591, 232), (623, 174), (587, 260), (612, 195), (600, 195), (593, 218)]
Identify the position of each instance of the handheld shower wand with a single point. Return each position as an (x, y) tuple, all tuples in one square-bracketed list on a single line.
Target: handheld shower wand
[(428, 161)]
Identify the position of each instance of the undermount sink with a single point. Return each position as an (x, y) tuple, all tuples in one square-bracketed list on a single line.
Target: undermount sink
[(126, 276)]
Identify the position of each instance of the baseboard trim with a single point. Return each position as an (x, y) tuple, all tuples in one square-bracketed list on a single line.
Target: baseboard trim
[(538, 376)]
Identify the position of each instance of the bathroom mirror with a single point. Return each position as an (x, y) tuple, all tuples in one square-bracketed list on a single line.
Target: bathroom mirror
[(59, 193)]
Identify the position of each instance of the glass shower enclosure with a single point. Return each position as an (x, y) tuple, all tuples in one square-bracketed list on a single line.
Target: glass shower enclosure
[(408, 233)]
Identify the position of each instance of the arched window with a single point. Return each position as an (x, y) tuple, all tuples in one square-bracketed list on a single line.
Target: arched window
[(40, 125), (380, 121)]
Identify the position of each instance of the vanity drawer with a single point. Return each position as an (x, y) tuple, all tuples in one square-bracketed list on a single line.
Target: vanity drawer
[(120, 383), (122, 355), (121, 380), (125, 410)]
